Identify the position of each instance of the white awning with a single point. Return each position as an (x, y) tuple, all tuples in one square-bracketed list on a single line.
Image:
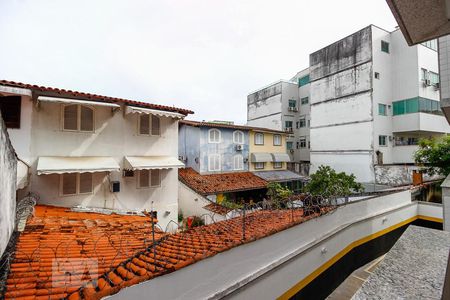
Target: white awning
[(81, 164), (261, 157), (161, 113), (152, 162), (281, 157), (75, 101), (22, 175)]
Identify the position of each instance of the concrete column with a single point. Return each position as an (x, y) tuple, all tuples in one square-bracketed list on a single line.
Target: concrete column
[(446, 202)]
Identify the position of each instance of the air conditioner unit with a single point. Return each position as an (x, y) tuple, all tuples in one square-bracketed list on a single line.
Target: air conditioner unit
[(115, 186), (239, 147), (390, 138), (437, 86), (291, 150), (128, 173), (427, 82), (182, 158), (292, 108)]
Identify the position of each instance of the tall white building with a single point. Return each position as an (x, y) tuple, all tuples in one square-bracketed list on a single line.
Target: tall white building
[(363, 104), (372, 99)]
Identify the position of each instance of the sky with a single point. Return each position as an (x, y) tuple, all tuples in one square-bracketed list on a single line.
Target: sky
[(206, 56)]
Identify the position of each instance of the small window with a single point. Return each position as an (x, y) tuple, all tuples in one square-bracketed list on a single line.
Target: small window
[(302, 123), (297, 125), (259, 138), (214, 136), (434, 78), (277, 140), (10, 109), (149, 125), (214, 162), (382, 109), (277, 165), (302, 143), (423, 74), (259, 165), (149, 178), (303, 81), (289, 145), (377, 75), (292, 104), (382, 140), (385, 46), (76, 183), (238, 162), (288, 124), (78, 117), (238, 137), (305, 100)]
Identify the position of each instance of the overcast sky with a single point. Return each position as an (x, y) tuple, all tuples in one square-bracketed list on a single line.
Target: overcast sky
[(203, 55)]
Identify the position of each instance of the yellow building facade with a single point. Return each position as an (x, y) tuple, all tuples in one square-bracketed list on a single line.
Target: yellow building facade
[(267, 150)]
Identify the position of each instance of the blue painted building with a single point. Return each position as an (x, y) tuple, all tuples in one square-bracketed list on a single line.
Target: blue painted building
[(211, 148)]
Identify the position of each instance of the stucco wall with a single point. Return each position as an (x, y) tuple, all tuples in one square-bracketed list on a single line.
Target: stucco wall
[(396, 175), (8, 173), (268, 147), (226, 149), (189, 146), (116, 136)]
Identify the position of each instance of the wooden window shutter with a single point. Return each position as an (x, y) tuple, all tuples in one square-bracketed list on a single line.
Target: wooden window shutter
[(85, 183), (69, 184), (155, 179), (71, 117), (87, 119), (144, 178), (155, 125), (10, 108), (144, 124)]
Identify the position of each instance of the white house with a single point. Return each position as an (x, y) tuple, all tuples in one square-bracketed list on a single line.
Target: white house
[(94, 151)]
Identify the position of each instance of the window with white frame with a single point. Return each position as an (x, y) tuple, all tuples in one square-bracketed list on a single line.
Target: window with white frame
[(77, 117), (259, 165), (259, 138), (149, 125), (149, 178), (302, 143), (277, 165), (214, 162), (238, 137), (76, 184), (214, 136), (238, 162), (277, 139), (302, 122)]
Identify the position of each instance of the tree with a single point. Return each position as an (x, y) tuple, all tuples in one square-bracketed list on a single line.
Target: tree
[(277, 193), (434, 155), (327, 183)]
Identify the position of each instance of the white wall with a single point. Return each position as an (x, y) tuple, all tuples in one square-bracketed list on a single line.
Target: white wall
[(267, 268), (420, 122), (8, 173), (116, 136)]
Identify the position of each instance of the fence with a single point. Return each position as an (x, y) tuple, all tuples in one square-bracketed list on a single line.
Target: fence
[(78, 257)]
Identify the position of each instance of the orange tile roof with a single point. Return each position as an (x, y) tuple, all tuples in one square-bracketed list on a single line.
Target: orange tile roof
[(86, 96), (217, 208), (179, 250), (73, 240), (220, 183)]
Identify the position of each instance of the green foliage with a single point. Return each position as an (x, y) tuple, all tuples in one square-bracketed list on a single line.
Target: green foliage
[(277, 193), (180, 216), (434, 154), (229, 204), (197, 222), (327, 183)]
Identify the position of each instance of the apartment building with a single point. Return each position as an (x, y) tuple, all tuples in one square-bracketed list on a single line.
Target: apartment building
[(284, 106), (364, 103), (372, 99), (94, 151)]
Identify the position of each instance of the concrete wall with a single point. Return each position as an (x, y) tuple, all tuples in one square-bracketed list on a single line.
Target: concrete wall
[(8, 173), (226, 149), (189, 146), (446, 202), (396, 175), (444, 72), (116, 136), (267, 268), (264, 107)]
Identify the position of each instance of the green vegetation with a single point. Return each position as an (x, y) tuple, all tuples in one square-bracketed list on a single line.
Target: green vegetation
[(434, 155), (277, 193), (326, 182)]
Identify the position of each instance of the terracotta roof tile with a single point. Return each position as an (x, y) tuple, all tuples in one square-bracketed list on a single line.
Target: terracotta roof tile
[(231, 126), (179, 250), (217, 208), (93, 97), (55, 253), (220, 183)]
